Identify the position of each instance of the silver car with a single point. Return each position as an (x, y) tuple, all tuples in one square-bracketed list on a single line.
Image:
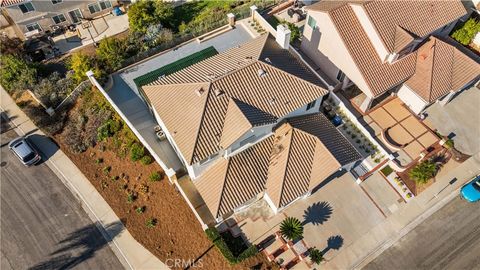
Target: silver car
[(23, 149)]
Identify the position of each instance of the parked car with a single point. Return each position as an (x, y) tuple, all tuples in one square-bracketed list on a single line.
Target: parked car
[(471, 191), (24, 150)]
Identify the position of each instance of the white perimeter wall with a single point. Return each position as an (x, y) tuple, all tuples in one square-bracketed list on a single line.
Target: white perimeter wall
[(411, 99)]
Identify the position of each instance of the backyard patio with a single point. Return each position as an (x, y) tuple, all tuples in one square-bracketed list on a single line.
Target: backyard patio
[(401, 131)]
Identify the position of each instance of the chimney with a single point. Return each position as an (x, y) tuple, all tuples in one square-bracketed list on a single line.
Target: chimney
[(283, 36)]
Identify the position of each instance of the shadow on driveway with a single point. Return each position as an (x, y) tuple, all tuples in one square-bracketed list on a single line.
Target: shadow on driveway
[(79, 246), (317, 213)]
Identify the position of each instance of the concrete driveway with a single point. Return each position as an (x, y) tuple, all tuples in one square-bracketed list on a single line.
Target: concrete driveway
[(460, 118), (336, 215)]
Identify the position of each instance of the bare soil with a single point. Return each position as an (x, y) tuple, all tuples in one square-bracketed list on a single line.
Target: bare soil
[(177, 234)]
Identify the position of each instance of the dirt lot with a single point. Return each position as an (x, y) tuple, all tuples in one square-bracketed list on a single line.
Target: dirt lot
[(177, 233)]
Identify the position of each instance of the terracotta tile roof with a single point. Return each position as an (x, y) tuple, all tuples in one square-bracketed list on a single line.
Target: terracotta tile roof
[(6, 3), (264, 92), (307, 149), (302, 153), (397, 24), (402, 39), (231, 182), (240, 118), (440, 69), (379, 76), (419, 18)]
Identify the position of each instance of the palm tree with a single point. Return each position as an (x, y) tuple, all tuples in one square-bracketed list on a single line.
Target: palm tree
[(315, 255), (423, 172), (291, 228)]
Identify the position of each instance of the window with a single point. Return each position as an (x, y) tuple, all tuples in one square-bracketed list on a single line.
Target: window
[(56, 1), (76, 15), (94, 8), (340, 76), (59, 18), (101, 5), (33, 27), (311, 105), (105, 4), (311, 22), (26, 7)]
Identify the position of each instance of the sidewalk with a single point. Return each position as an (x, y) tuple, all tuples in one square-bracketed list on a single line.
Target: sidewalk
[(385, 234), (128, 250)]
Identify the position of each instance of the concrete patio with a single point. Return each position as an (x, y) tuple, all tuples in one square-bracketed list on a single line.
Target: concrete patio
[(100, 28), (400, 130)]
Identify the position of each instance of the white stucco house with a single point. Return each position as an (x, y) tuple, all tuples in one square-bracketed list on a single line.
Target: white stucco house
[(386, 47)]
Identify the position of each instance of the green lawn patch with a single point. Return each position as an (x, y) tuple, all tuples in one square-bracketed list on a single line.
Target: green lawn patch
[(175, 66), (387, 170)]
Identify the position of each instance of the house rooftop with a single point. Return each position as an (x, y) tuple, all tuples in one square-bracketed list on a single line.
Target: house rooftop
[(397, 25), (6, 3), (256, 83), (441, 68), (301, 154)]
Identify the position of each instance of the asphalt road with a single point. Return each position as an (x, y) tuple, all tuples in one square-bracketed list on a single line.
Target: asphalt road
[(449, 239), (42, 225)]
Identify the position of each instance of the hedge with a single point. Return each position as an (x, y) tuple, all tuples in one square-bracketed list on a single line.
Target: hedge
[(218, 241)]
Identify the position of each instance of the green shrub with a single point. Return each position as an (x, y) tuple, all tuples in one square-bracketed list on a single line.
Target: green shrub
[(467, 32), (136, 151), (291, 228), (112, 51), (155, 176), (131, 197), (387, 170), (315, 255), (107, 169), (146, 160), (108, 129), (151, 222), (423, 172), (16, 74), (449, 143), (140, 210), (222, 246)]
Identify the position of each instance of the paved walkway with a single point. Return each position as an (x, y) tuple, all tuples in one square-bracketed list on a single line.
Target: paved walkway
[(384, 235), (128, 250)]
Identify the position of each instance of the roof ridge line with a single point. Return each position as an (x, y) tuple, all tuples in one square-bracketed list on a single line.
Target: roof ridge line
[(291, 75), (349, 50), (201, 122), (286, 165), (223, 185), (433, 67)]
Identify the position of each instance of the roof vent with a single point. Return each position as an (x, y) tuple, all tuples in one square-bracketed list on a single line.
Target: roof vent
[(210, 76), (199, 91), (268, 60), (262, 73), (272, 101), (218, 92)]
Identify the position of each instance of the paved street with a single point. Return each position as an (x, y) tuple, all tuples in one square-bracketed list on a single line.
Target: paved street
[(449, 239), (42, 225)]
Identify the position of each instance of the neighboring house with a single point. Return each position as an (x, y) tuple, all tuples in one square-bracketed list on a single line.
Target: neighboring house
[(247, 126), (373, 44), (441, 71), (40, 16)]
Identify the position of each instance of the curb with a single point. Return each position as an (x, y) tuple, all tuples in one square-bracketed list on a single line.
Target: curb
[(88, 209), (405, 230)]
